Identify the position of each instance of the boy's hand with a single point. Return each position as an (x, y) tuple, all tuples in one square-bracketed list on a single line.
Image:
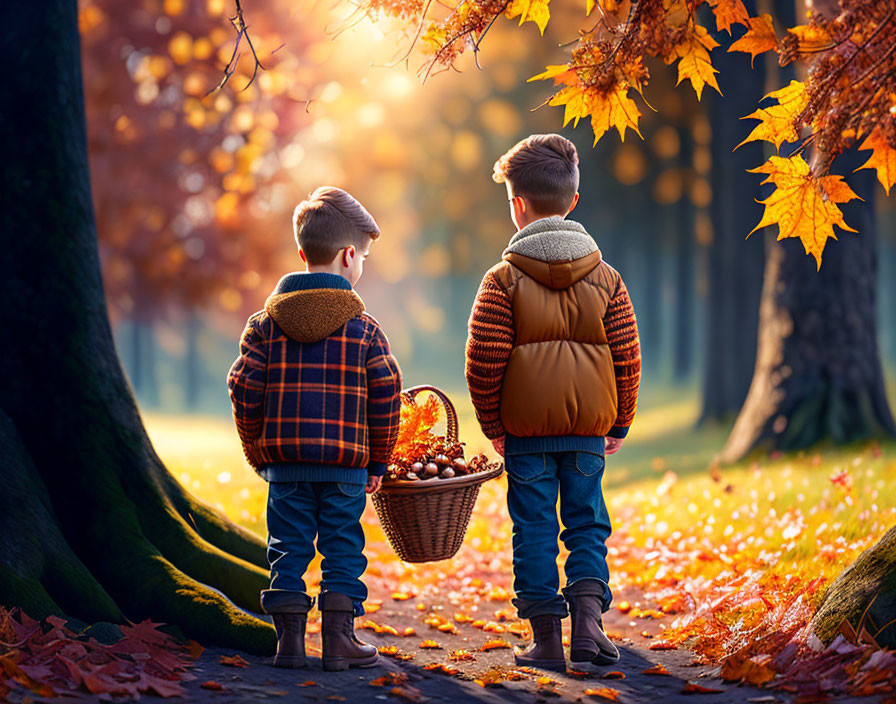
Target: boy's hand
[(498, 444), (612, 445), (373, 484)]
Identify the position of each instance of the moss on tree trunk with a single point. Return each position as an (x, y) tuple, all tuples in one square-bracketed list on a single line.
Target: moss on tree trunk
[(864, 595), (92, 523)]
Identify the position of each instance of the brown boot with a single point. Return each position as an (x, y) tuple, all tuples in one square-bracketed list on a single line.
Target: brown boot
[(546, 652), (341, 647), (289, 611), (589, 646)]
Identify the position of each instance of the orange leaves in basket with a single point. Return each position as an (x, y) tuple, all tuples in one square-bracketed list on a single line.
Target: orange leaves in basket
[(415, 433)]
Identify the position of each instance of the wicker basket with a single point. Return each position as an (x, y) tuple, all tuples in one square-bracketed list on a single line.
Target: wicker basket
[(426, 520)]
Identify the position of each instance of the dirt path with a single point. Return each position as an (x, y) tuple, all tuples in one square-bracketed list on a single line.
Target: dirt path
[(260, 681)]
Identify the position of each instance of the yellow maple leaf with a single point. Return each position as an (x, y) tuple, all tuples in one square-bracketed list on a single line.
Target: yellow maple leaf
[(776, 123), (694, 62), (589, 7), (729, 12), (803, 205), (555, 71), (759, 38), (536, 11), (577, 102), (615, 109), (435, 36), (883, 159)]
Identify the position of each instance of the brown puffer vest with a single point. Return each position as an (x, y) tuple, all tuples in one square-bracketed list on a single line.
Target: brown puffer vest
[(560, 378)]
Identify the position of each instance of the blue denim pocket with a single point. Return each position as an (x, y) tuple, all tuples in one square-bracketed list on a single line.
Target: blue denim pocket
[(280, 490), (526, 468), (589, 463), (351, 490)]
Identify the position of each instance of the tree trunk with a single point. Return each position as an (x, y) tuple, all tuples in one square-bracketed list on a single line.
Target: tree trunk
[(864, 595), (818, 372), (92, 523), (685, 254), (734, 272), (192, 365)]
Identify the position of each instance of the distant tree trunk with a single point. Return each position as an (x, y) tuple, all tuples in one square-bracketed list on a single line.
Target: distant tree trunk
[(91, 522), (685, 254), (735, 266), (818, 371), (192, 363)]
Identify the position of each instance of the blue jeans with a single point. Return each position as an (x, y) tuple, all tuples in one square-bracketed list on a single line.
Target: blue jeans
[(299, 512), (534, 483)]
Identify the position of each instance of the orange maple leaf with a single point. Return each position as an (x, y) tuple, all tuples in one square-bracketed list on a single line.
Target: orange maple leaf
[(694, 62), (760, 37), (883, 159), (729, 12), (803, 205), (811, 38), (603, 693), (494, 644), (776, 123), (615, 109)]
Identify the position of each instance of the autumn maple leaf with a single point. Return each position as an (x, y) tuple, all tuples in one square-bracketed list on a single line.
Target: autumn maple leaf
[(729, 12), (759, 38), (883, 159), (777, 123), (536, 11), (803, 205), (694, 62)]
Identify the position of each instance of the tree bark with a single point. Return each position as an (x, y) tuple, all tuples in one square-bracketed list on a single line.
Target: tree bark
[(734, 275), (92, 524), (685, 255), (818, 371)]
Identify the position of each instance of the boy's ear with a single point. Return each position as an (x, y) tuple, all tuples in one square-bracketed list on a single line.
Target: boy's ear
[(575, 202), (302, 256), (347, 255)]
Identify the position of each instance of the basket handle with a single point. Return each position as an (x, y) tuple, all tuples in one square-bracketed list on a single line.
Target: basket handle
[(450, 412)]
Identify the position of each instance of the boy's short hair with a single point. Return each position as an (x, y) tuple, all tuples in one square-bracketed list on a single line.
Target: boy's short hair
[(330, 220), (544, 168)]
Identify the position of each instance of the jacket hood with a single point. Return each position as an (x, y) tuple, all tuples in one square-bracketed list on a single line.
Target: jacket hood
[(555, 252), (311, 307)]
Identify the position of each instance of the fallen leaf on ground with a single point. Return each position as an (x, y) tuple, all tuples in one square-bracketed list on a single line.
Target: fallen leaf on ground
[(658, 669), (662, 645), (494, 644), (603, 693), (212, 685), (614, 675), (694, 688), (429, 645), (233, 660)]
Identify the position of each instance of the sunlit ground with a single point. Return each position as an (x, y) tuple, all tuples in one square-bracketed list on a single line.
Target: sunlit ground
[(803, 513)]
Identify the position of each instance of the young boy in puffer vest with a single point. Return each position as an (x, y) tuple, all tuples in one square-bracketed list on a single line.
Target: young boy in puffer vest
[(315, 395), (553, 367)]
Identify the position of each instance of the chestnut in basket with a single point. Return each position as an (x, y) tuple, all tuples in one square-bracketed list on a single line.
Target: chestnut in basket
[(417, 468), (459, 466), (410, 476), (442, 459), (430, 470), (447, 473)]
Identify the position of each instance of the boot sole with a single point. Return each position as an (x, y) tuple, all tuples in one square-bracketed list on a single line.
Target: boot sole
[(593, 665), (552, 665), (290, 661), (340, 664)]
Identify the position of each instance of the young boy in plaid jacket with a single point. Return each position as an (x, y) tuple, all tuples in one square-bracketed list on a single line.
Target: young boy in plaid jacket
[(315, 394), (553, 368)]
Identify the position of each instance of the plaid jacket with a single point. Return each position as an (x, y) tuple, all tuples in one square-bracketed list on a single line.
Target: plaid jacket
[(315, 390)]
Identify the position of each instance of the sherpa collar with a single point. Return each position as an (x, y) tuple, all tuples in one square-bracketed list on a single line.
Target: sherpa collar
[(311, 307), (552, 239), (555, 252)]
